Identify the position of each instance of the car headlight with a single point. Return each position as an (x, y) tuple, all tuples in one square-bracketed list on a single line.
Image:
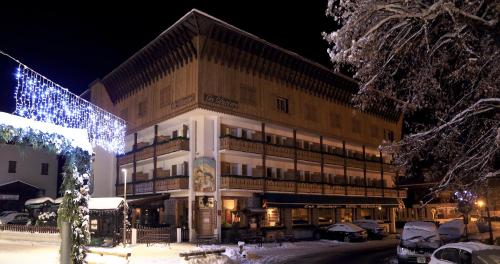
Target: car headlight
[(403, 251)]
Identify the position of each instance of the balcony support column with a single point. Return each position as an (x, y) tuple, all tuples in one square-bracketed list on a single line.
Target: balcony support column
[(392, 217), (135, 165), (295, 171), (322, 160), (382, 173), (155, 158), (364, 171), (344, 151), (218, 178), (264, 169), (191, 193)]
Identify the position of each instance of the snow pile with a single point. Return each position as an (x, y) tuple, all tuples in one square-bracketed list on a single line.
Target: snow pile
[(77, 137)]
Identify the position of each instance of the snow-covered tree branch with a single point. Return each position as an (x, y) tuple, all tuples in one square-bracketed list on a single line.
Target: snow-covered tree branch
[(438, 62)]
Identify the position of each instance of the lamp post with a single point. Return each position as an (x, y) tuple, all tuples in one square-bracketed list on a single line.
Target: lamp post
[(125, 207), (481, 204)]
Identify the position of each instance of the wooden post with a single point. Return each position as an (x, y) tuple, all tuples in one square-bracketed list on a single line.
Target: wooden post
[(295, 159), (364, 170), (264, 169), (155, 158), (322, 165), (135, 166), (382, 173), (345, 166)]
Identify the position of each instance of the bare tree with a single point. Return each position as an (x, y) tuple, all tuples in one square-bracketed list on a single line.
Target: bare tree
[(438, 62)]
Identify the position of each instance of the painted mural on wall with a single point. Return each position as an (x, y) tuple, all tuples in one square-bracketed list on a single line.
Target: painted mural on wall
[(204, 174)]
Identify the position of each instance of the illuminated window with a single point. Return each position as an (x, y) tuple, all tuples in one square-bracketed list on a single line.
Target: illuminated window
[(300, 216), (230, 213), (272, 217)]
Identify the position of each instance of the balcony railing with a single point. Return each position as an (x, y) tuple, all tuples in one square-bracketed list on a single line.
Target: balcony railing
[(277, 185), (161, 184), (145, 151), (251, 146)]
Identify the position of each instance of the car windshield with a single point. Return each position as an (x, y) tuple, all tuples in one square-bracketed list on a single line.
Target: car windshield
[(420, 236)]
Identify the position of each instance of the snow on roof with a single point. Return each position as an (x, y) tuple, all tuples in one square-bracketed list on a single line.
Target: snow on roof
[(39, 200), (77, 137), (58, 200), (105, 203)]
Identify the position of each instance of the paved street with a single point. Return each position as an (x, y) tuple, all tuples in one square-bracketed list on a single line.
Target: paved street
[(361, 253)]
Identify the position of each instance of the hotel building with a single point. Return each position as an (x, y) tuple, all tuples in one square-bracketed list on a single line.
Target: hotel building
[(245, 135)]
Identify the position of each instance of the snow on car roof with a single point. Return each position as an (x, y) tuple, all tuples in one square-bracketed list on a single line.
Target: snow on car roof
[(105, 203), (469, 246), (428, 226), (39, 200), (345, 227), (419, 230)]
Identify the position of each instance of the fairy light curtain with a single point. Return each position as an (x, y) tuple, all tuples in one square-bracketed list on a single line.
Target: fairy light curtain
[(40, 99)]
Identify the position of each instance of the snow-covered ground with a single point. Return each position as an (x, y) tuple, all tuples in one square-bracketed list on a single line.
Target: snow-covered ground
[(40, 252)]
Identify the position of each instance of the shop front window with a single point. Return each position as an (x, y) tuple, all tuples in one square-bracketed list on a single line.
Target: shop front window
[(272, 217), (325, 216), (230, 216), (300, 216)]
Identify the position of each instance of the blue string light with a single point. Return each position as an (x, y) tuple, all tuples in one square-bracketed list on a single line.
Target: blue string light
[(40, 99)]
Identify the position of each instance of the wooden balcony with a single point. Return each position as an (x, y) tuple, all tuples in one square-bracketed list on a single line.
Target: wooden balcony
[(274, 185), (333, 159), (280, 151), (145, 153), (236, 144), (163, 184), (125, 159), (373, 165), (172, 183), (355, 163), (308, 187), (308, 155), (176, 144), (241, 182)]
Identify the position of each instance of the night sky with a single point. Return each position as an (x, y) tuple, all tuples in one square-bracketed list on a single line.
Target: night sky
[(78, 43)]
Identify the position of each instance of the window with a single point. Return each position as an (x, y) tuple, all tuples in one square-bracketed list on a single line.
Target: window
[(300, 216), (272, 217), (248, 95), (310, 112), (165, 96), (388, 135), (244, 134), (12, 166), (374, 130), (143, 108), (335, 120), (244, 170), (174, 170), (45, 169), (234, 168), (278, 173), (356, 126), (229, 207), (269, 172), (449, 254), (325, 216), (124, 113), (282, 104)]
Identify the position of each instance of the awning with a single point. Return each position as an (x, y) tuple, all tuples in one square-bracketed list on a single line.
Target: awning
[(324, 201), (148, 200)]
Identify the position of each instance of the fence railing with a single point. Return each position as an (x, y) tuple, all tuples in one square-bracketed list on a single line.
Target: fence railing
[(30, 229)]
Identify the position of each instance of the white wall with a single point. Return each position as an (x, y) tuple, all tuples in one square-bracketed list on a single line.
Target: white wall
[(104, 167), (29, 167)]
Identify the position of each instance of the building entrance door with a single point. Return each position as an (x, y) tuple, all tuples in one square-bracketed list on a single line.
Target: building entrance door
[(205, 222)]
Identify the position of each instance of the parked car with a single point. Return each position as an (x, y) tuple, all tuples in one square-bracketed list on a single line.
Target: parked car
[(374, 229), (465, 252), (346, 232), (417, 242), (5, 213), (452, 231), (15, 218)]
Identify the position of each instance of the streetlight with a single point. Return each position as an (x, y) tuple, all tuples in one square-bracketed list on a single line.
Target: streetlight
[(481, 204), (125, 207)]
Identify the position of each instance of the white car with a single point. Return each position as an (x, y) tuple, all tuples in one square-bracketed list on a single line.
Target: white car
[(463, 252), (14, 218), (418, 241)]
